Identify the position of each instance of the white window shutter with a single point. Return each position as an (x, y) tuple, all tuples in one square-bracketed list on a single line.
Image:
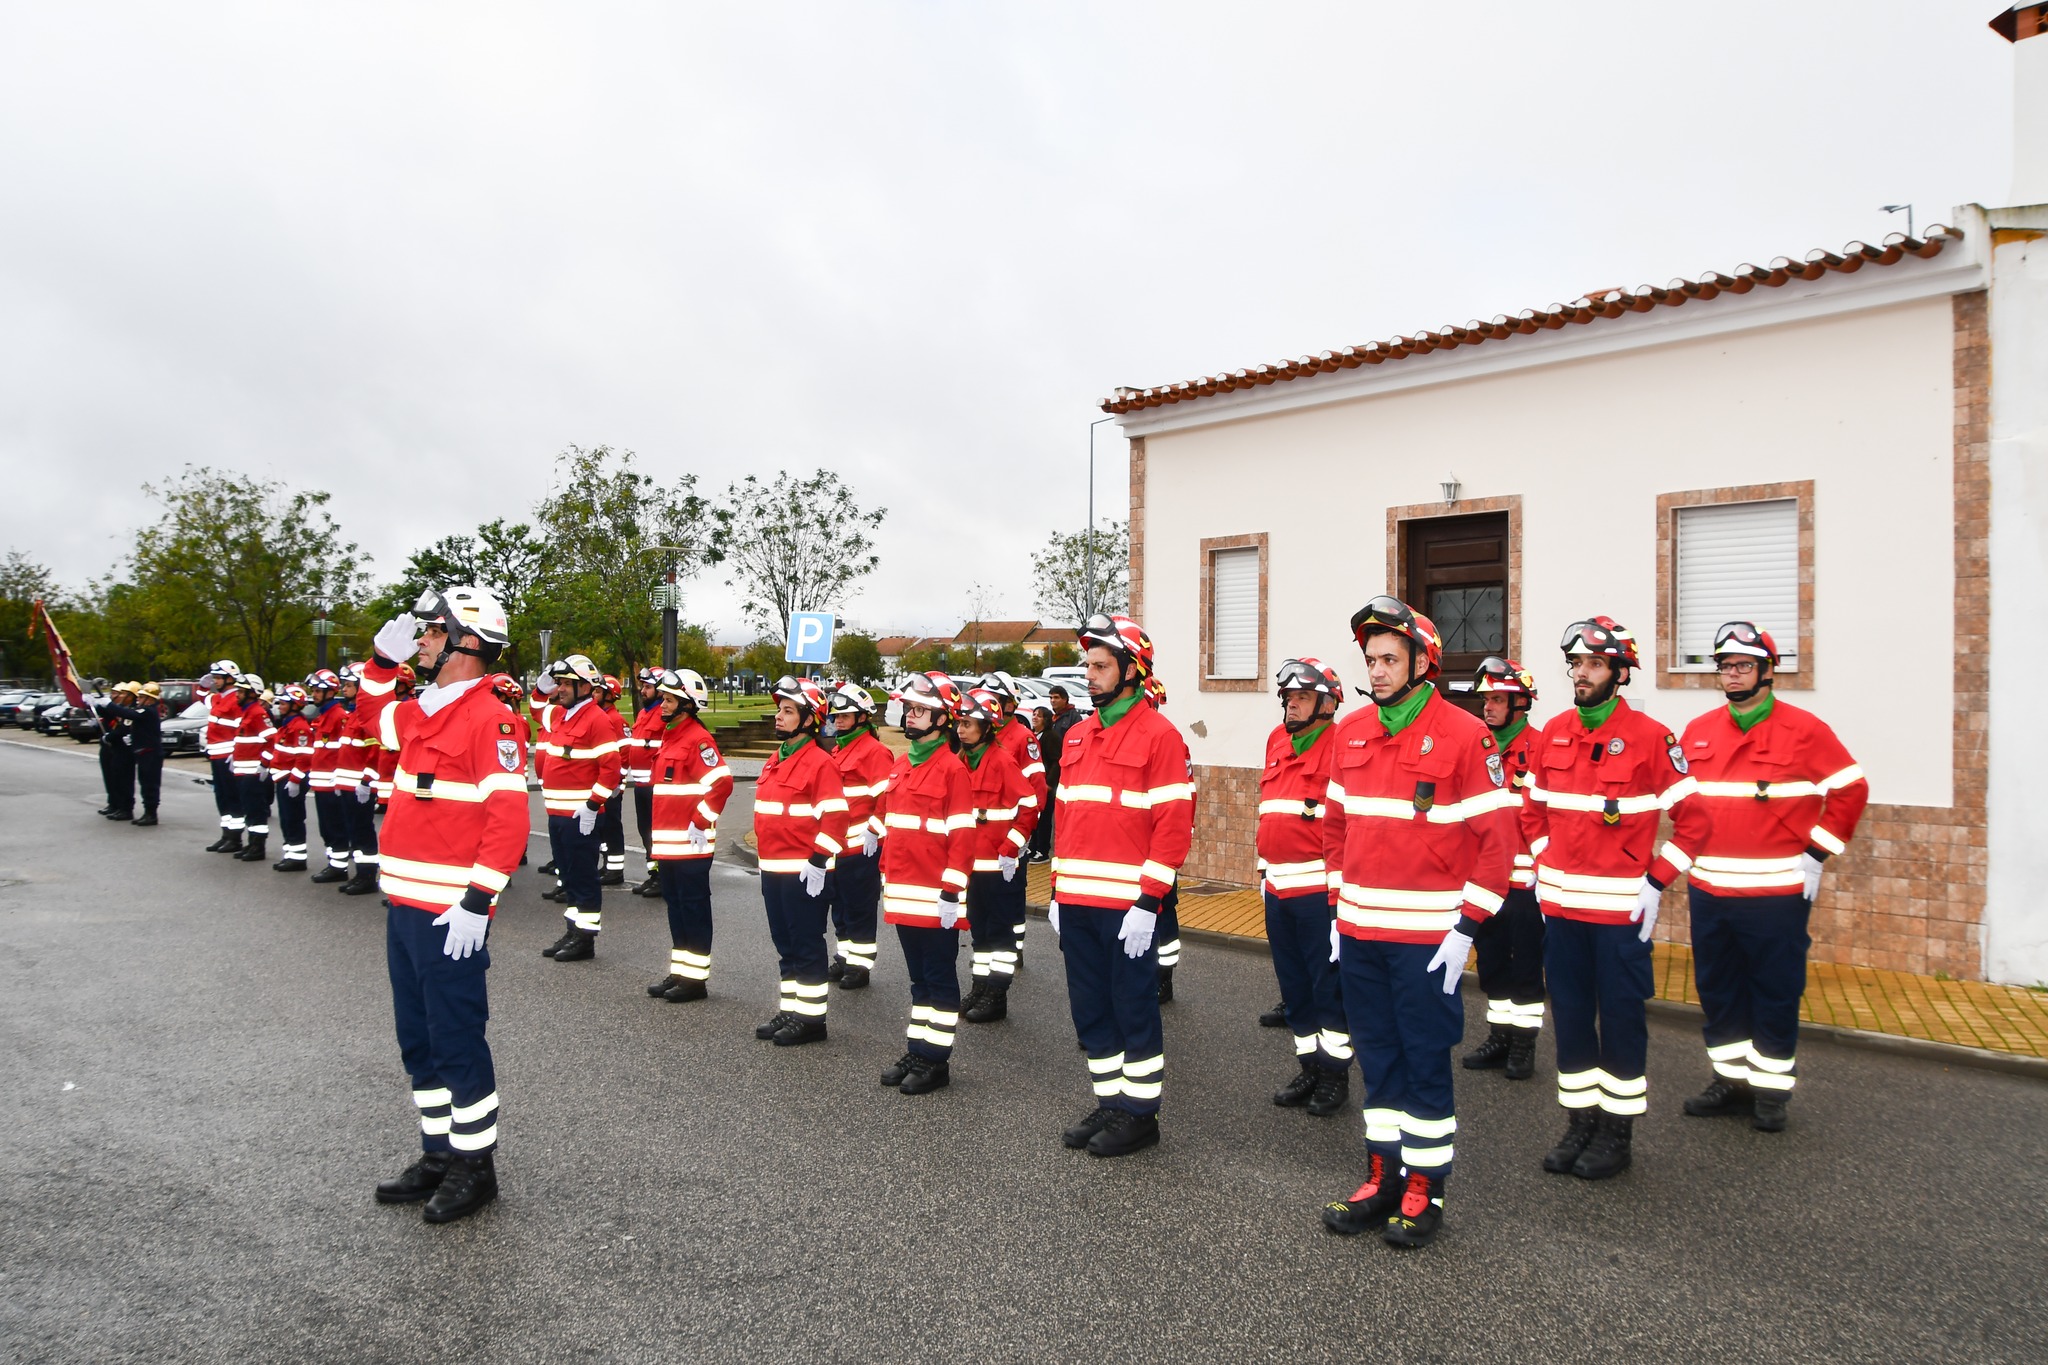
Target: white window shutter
[(1234, 613), (1737, 561)]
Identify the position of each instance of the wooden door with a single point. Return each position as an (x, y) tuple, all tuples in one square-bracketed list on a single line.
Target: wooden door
[(1457, 572)]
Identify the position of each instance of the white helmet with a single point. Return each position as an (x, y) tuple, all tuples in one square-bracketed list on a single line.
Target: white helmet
[(851, 699), (225, 668), (466, 610), (1003, 685), (579, 667), (249, 682), (686, 683)]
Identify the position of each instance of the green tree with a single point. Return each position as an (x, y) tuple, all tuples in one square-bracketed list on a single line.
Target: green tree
[(1011, 659), (796, 545), (24, 582), (1059, 573), (1062, 655), (764, 656), (857, 657)]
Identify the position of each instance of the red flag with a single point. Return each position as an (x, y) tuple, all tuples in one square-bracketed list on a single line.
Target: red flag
[(60, 657)]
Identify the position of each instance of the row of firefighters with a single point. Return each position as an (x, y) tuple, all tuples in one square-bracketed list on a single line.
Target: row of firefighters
[(1393, 843)]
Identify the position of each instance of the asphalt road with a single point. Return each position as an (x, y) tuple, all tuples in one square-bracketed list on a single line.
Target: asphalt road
[(198, 1088)]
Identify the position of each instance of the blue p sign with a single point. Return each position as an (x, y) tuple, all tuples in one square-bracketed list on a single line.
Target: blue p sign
[(810, 638)]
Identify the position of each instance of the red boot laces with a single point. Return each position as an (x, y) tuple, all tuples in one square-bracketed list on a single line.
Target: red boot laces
[(1376, 1172), (1416, 1197)]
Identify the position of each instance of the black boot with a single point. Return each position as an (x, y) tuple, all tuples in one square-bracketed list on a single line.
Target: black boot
[(650, 887), (329, 873), (1561, 1158), (801, 1029), (1771, 1108), (1521, 1054), (927, 1074), (1275, 1017), (1368, 1209), (1608, 1154), (556, 894), (774, 1025), (1299, 1087), (994, 1004), (581, 947), (853, 978), (289, 865), (1333, 1088), (104, 810), (568, 937), (661, 987), (230, 841), (362, 884), (471, 1183), (1082, 1133), (546, 869), (417, 1181), (1165, 995), (1421, 1213), (146, 819), (685, 990), (836, 968), (1490, 1055), (976, 993), (120, 814), (1125, 1133), (1721, 1097), (253, 853), (615, 876), (903, 1067)]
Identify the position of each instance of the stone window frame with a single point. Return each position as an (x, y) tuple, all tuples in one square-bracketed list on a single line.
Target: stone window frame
[(1205, 622), (1669, 674), (1399, 518)]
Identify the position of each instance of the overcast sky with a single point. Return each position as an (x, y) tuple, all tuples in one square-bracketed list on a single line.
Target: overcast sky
[(407, 253)]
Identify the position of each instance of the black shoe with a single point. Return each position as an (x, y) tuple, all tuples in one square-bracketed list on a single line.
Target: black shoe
[(685, 990), (1490, 1055), (362, 884), (775, 1025), (903, 1067), (568, 937), (1299, 1087), (801, 1029), (254, 852), (1561, 1158), (119, 814), (1608, 1154), (836, 969), (417, 1181), (1275, 1017), (661, 987), (1165, 998), (327, 874), (146, 819), (104, 810), (1771, 1108), (993, 1005), (557, 895), (976, 993), (471, 1183), (230, 841), (927, 1074), (1421, 1213), (1521, 1054), (1082, 1133), (1721, 1097), (522, 858), (853, 979), (1368, 1209), (650, 887), (581, 947), (289, 865), (613, 877), (1333, 1088), (546, 869), (1125, 1133)]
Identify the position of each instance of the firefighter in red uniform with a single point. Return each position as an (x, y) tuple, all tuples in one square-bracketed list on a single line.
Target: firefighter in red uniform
[(690, 786), (1779, 795), (1021, 741), (611, 826), (1419, 848), (1000, 844), (1125, 823), (223, 718), (252, 742), (545, 713), (1166, 933), (456, 828), (799, 829), (1600, 777), (926, 815), (643, 741), (1509, 951), (506, 689), (383, 761), (582, 776), (1294, 788), (855, 886), (357, 771), (327, 716), (291, 768)]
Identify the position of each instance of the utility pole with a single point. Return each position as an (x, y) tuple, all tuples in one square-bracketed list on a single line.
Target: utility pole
[(1088, 552), (322, 628), (671, 595)]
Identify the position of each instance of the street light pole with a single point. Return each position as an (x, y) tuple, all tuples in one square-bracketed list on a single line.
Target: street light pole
[(670, 601), (1088, 552)]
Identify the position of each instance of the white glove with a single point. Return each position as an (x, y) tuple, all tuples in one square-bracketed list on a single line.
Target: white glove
[(544, 685), (1809, 869), (365, 793), (1136, 931), (1007, 866), (813, 878), (399, 638), (1335, 939), (949, 913), (586, 819), (292, 789), (1451, 955), (870, 842), (1052, 915), (263, 772), (465, 930), (1648, 899), (699, 840)]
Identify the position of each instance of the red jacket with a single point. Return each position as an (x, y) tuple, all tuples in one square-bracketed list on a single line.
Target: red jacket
[(252, 739), (1786, 788), (1127, 801), (1016, 736), (1293, 794), (799, 809), (223, 718), (583, 758), (1591, 812), (358, 761), (643, 742), (458, 817), (691, 784), (999, 792), (927, 819), (291, 751), (1417, 827), (1515, 756), (864, 764), (544, 717), (327, 726)]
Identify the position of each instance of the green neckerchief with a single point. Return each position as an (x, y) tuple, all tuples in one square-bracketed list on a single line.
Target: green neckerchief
[(791, 746), (1511, 732), (1401, 715), (1593, 717), (1307, 737), (849, 736), (677, 719), (972, 757), (1117, 709), (922, 749), (1748, 720)]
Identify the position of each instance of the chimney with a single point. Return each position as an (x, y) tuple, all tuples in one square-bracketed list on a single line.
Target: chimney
[(2026, 28)]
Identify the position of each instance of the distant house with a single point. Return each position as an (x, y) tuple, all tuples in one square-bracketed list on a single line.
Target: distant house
[(1045, 637), (994, 634), (893, 648)]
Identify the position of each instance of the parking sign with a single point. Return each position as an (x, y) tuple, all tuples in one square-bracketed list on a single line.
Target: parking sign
[(810, 638)]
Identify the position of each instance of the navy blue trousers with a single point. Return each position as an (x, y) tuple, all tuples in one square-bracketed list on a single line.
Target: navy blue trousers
[(1166, 933), (611, 831), (576, 862), (1115, 1003), (686, 888), (291, 819), (327, 808), (1749, 960), (1509, 953), (1403, 1027), (440, 1007), (933, 957), (643, 820), (990, 928), (796, 922), (1599, 976), (227, 793), (117, 768), (149, 775), (362, 828), (255, 804), (853, 889), (1298, 932)]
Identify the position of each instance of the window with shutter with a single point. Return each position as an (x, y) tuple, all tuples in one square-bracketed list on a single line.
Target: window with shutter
[(1234, 613), (1736, 561)]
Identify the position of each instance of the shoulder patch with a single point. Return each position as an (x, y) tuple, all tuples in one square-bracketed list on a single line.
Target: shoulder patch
[(709, 754), (1486, 741), (1677, 757), (1493, 770), (504, 727), (1669, 739), (508, 755)]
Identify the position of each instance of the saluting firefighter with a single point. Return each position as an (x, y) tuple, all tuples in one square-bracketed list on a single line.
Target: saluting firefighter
[(1021, 741), (854, 887), (1509, 950), (1126, 820), (583, 770), (1778, 795), (223, 719), (1294, 789), (926, 816), (455, 830), (799, 829), (999, 844), (1418, 842), (327, 717), (252, 743), (643, 741), (1601, 776), (690, 787), (142, 723), (290, 761), (117, 761), (383, 761)]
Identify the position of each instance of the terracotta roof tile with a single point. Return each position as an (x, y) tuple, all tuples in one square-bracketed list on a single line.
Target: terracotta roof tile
[(995, 632)]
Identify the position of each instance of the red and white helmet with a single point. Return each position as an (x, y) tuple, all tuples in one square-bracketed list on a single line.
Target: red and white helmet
[(1308, 675), (1121, 635), (508, 689), (1496, 674), (934, 691), (1003, 685), (811, 701), (406, 677), (982, 704), (1602, 637), (1392, 614), (323, 678), (293, 694), (1745, 638), (576, 668)]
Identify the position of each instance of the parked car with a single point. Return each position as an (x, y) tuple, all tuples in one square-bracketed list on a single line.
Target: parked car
[(1075, 680), (54, 720), (82, 725), (185, 736), (22, 710)]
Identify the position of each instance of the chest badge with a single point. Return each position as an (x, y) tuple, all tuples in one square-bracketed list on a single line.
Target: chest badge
[(1615, 746), (1494, 771), (1428, 743), (508, 755)]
